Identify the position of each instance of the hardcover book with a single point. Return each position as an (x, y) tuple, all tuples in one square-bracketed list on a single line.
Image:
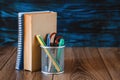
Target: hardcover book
[(36, 23)]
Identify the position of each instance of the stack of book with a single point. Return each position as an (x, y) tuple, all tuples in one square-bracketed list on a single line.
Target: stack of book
[(29, 25)]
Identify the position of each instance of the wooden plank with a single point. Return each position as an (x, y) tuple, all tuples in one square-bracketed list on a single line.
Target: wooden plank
[(111, 57), (40, 76), (8, 72), (83, 64), (27, 75), (5, 53), (9, 69)]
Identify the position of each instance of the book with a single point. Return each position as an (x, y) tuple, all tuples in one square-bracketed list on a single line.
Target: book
[(36, 23), (20, 50)]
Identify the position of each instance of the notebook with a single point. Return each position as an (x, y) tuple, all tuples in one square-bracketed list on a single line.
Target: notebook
[(19, 59)]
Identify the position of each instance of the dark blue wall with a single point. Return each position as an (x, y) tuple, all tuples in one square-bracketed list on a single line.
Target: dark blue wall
[(94, 23)]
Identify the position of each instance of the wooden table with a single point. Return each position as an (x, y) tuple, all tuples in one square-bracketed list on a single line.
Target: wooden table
[(80, 64)]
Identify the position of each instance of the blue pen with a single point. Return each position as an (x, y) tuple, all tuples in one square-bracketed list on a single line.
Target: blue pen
[(48, 40), (47, 44), (49, 63)]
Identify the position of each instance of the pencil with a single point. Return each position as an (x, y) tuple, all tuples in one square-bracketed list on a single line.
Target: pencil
[(40, 40)]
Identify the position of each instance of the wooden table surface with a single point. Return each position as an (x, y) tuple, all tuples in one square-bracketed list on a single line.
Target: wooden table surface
[(81, 63)]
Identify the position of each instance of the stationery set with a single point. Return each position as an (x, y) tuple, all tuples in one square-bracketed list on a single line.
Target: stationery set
[(30, 26)]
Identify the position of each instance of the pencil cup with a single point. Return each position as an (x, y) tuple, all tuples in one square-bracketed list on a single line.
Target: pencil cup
[(52, 59)]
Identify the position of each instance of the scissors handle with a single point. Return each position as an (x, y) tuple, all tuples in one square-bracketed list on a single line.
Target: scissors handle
[(52, 37), (57, 39)]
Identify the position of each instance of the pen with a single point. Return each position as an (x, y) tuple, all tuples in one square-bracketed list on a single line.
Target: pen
[(48, 44), (48, 40), (47, 59)]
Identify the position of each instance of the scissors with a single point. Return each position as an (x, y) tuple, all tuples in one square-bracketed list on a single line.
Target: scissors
[(54, 39)]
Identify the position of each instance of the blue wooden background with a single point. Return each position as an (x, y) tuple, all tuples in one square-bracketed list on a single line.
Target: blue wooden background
[(93, 23)]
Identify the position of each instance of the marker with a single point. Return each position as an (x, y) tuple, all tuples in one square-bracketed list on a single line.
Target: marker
[(61, 43)]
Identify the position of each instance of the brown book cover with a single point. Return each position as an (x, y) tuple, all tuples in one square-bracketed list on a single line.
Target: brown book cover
[(36, 23)]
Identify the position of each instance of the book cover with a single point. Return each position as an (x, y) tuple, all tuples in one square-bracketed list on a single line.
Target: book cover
[(36, 23)]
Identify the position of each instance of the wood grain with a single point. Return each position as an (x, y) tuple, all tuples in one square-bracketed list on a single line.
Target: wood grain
[(8, 72), (80, 64), (111, 58), (5, 53), (83, 64), (9, 69)]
